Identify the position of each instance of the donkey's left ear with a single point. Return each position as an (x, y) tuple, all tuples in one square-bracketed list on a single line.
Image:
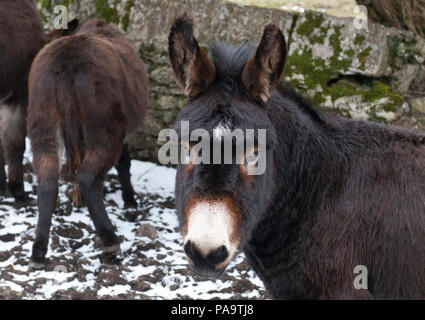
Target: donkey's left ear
[(57, 33), (262, 72), (193, 68), (73, 25)]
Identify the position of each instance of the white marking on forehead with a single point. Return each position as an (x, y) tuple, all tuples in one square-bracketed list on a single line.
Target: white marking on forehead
[(221, 130), (209, 226)]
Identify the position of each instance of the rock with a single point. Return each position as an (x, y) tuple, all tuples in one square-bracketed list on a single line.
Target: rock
[(69, 232), (359, 109), (418, 83), (147, 230), (6, 293), (341, 47), (141, 286), (8, 237), (174, 287), (171, 280), (418, 104), (110, 278), (325, 49), (243, 286), (161, 256), (4, 255), (158, 273), (243, 266), (404, 77)]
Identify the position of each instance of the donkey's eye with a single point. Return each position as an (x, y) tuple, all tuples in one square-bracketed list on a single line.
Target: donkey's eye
[(251, 159)]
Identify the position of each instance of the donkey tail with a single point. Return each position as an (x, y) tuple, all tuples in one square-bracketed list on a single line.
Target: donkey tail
[(71, 131)]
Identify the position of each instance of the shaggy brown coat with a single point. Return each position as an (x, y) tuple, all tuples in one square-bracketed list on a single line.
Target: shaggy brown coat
[(89, 90)]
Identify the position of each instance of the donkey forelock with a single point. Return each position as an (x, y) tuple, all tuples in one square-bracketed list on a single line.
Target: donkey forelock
[(229, 59)]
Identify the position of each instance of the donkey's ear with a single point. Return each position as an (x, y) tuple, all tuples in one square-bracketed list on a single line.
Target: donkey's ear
[(57, 33), (73, 25), (193, 68), (263, 71)]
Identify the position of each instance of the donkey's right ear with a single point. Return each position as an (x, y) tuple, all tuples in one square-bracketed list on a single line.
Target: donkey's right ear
[(193, 68)]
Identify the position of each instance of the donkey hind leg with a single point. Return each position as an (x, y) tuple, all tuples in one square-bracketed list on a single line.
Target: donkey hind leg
[(90, 180), (123, 168), (13, 134), (47, 168)]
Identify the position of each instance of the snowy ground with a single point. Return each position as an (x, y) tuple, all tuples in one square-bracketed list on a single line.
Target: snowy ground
[(154, 266)]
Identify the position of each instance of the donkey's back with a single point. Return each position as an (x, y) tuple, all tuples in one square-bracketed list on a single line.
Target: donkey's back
[(378, 215), (101, 67)]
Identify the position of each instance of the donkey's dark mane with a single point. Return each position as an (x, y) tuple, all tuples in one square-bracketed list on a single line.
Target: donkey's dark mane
[(303, 104), (229, 60)]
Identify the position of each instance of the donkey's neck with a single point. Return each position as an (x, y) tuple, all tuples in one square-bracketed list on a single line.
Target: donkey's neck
[(307, 156), (306, 165)]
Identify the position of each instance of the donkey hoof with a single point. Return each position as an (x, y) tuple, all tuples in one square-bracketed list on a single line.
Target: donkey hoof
[(113, 254), (24, 201), (36, 265), (130, 204), (114, 250)]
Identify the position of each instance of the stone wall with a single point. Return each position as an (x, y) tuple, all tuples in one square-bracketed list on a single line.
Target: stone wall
[(374, 73)]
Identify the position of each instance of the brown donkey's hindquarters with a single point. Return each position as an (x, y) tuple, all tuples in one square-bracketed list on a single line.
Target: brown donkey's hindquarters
[(21, 37), (88, 91)]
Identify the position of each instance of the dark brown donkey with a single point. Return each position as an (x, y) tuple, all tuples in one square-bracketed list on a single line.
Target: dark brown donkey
[(21, 38), (87, 89), (338, 196)]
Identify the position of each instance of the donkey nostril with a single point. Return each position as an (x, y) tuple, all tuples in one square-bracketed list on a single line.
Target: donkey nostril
[(192, 251), (215, 256), (218, 255)]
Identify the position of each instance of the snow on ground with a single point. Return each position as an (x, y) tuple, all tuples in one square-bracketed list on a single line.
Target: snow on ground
[(154, 264)]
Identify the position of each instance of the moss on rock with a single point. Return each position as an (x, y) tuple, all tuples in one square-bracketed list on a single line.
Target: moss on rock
[(326, 51)]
